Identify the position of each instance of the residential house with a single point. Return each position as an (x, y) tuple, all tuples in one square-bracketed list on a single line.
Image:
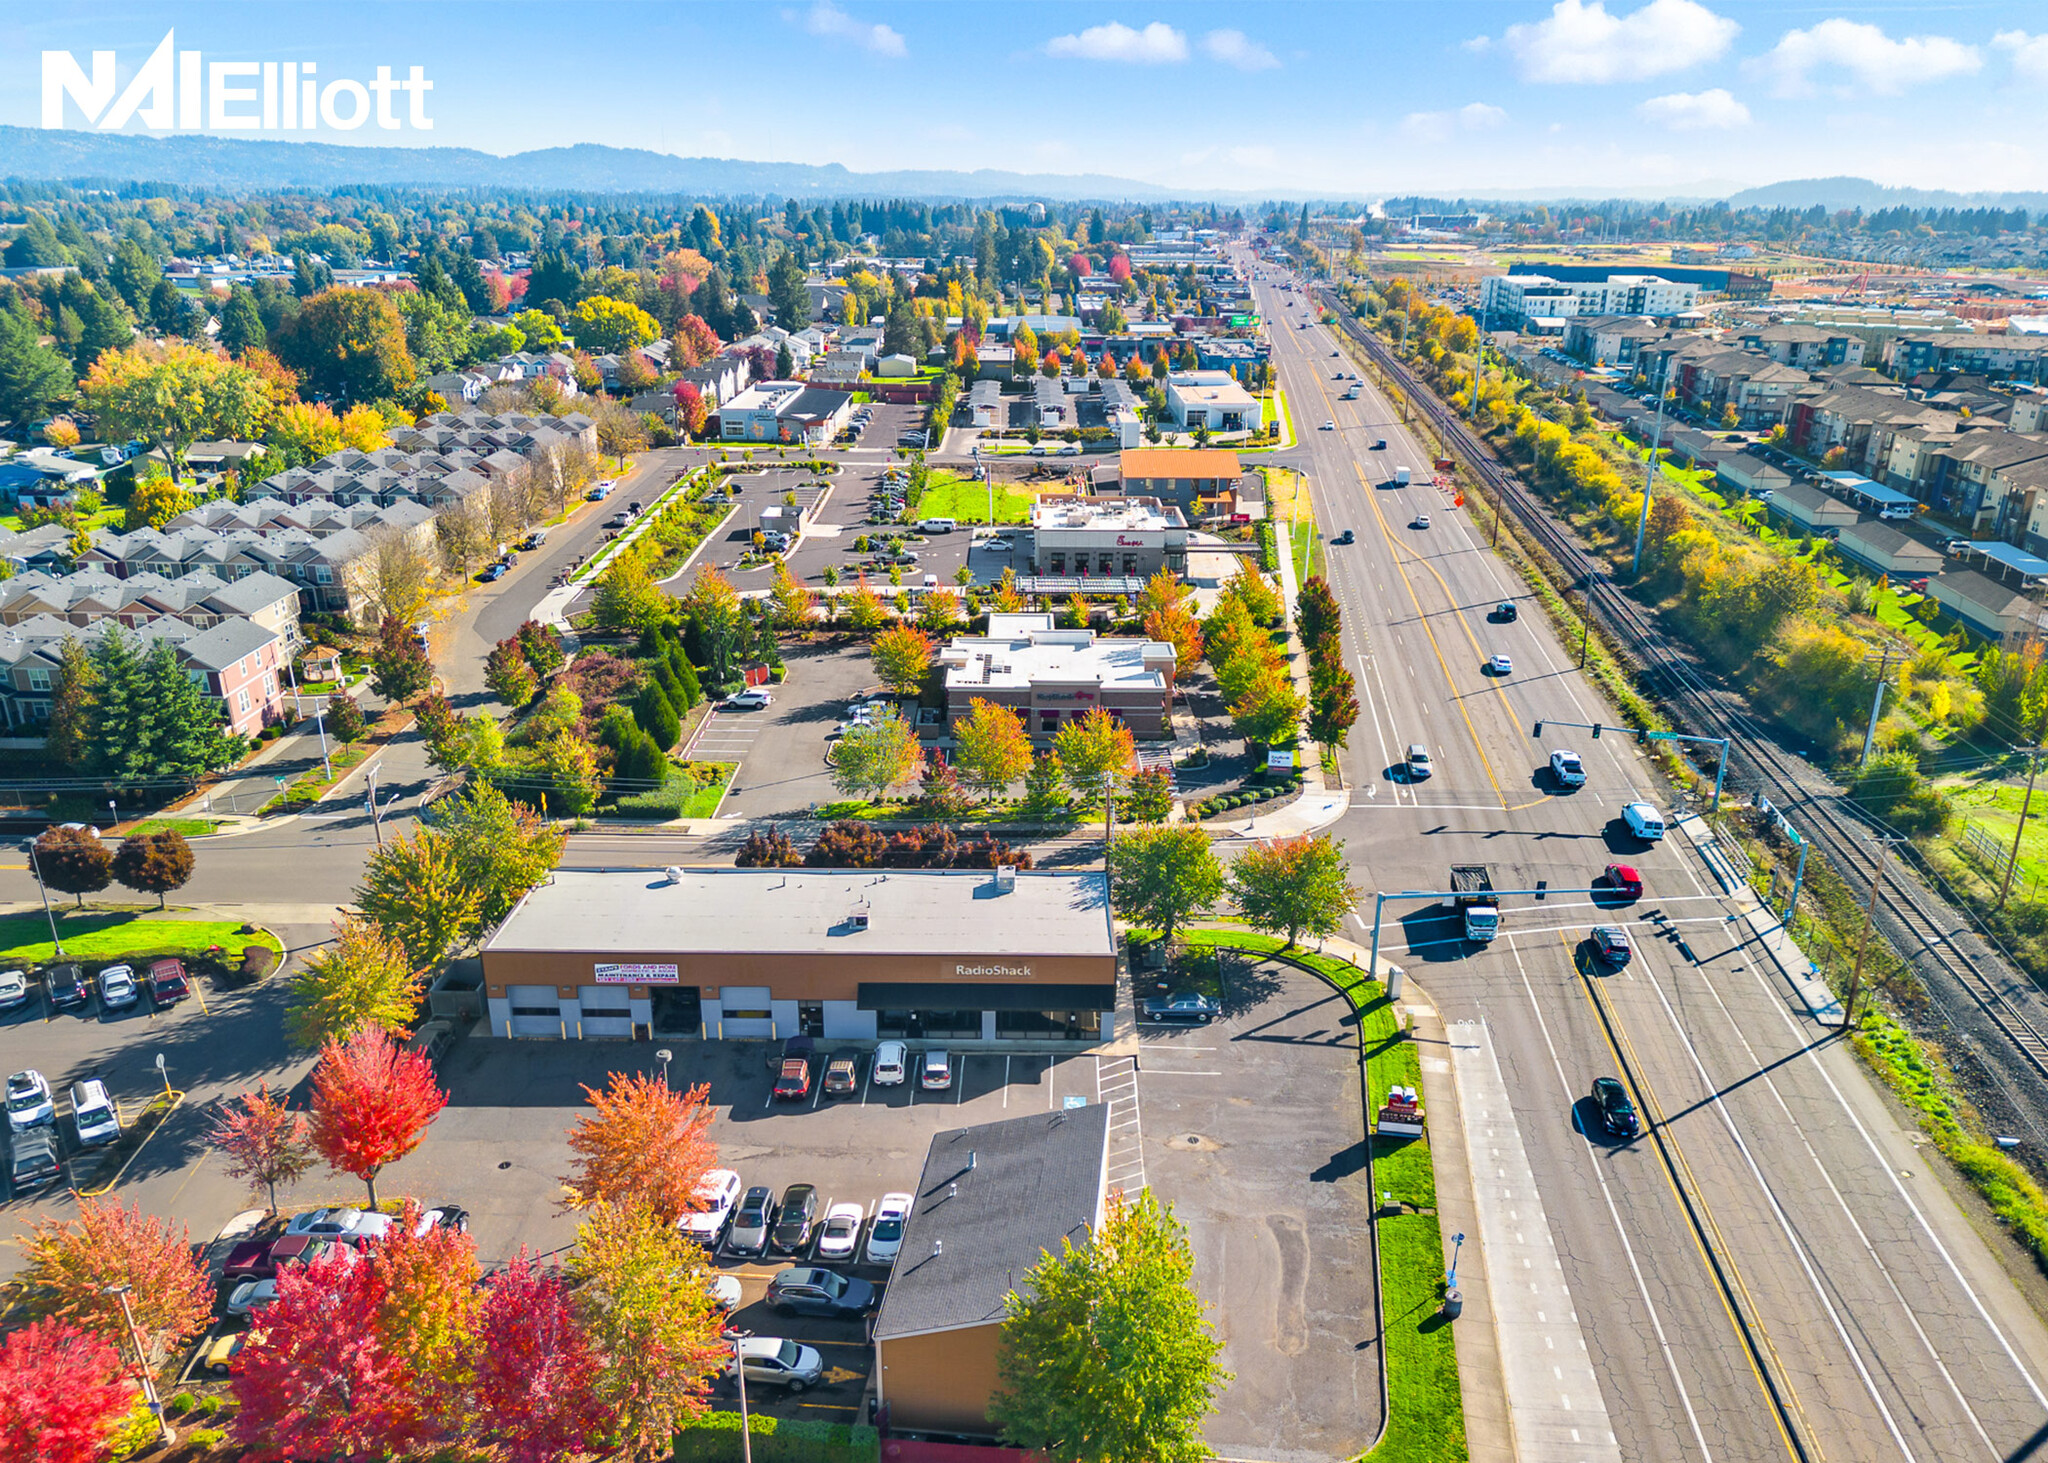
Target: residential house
[(1812, 346), (224, 456), (237, 662), (2013, 357), (719, 379), (1976, 480), (1198, 481)]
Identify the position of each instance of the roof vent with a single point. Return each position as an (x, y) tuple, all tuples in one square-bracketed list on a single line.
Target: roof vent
[(675, 875), (953, 1190), (858, 918), (938, 1248)]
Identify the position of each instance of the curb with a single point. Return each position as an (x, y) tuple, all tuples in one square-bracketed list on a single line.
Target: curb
[(177, 1101)]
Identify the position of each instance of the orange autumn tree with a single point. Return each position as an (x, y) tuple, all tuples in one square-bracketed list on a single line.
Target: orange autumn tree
[(643, 1143)]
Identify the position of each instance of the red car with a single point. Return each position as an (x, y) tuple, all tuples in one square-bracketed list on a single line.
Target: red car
[(167, 983), (793, 1083), (262, 1259), (1624, 880)]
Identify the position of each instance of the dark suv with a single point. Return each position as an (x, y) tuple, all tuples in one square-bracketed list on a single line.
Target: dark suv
[(793, 1221), (66, 985), (798, 1291)]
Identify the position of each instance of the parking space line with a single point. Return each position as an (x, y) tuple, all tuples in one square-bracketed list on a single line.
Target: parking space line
[(1006, 1081), (1178, 1072)]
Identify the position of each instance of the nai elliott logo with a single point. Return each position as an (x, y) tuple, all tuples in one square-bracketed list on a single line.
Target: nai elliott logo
[(181, 91)]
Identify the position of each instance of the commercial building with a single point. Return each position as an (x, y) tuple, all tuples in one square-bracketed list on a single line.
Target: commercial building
[(785, 411), (993, 1201), (1190, 478), (1212, 399), (1050, 676), (1516, 296), (843, 955), (1127, 536)]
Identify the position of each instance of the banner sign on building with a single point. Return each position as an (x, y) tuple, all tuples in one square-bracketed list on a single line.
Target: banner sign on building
[(637, 975)]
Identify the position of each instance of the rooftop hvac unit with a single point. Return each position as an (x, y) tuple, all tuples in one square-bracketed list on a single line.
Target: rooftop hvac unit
[(858, 919), (1006, 878)]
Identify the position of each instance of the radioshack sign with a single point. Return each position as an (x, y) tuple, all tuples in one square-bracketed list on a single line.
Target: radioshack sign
[(637, 975)]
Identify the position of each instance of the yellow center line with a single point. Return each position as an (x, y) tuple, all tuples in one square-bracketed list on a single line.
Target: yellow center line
[(1655, 1123)]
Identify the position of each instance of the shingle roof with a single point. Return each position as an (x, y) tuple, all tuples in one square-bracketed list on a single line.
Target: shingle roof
[(992, 1200)]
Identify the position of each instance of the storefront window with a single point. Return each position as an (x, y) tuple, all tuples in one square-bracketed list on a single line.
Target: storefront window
[(924, 1025), (1050, 1025)]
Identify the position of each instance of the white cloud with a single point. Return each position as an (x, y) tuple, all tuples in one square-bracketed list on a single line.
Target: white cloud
[(1684, 111), (1235, 48), (1441, 126), (827, 19), (2029, 54), (1157, 44), (1873, 59), (1583, 42)]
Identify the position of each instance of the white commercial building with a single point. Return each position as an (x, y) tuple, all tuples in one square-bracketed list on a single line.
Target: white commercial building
[(1133, 538), (1514, 297)]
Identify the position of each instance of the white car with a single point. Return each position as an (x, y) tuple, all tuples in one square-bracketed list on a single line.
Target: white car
[(1644, 821), (1421, 520), (29, 1103), (117, 987), (1567, 768), (840, 1236), (724, 1289), (1329, 426), (345, 1223), (890, 1064), (751, 699), (885, 1235), (1501, 665), (13, 989), (93, 1114), (251, 1295), (720, 1191)]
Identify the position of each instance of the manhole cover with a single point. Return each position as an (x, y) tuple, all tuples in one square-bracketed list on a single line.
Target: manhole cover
[(1192, 1143)]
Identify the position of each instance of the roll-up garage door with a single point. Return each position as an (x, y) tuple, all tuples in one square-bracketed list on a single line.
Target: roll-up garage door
[(536, 1010), (605, 1011), (748, 1012)]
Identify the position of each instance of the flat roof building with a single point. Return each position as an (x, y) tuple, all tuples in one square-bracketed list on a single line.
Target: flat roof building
[(1211, 398), (1128, 537), (993, 1200), (842, 954), (1051, 676)]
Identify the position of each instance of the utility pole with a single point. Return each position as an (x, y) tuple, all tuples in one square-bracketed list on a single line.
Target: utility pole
[(1585, 625), (1869, 916), (2025, 807), (1884, 667), (1649, 476)]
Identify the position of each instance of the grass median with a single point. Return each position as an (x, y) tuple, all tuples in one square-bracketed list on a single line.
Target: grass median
[(98, 935), (1425, 1411)]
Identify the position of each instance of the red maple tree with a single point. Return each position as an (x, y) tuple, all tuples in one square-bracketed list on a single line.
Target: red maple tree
[(1120, 267), (372, 1101), (61, 1392), (536, 1394), (265, 1141), (317, 1379), (73, 1264), (645, 1143)]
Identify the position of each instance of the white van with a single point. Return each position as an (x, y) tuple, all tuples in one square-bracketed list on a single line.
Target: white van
[(936, 525), (1644, 821), (93, 1114)]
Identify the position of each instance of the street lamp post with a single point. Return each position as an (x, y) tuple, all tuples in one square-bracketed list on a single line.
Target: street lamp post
[(739, 1372), (1457, 1248), (156, 1407), (664, 1056), (163, 1072), (44, 889)]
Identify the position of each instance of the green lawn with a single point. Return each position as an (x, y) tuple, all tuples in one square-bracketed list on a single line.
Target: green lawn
[(106, 518), (1426, 1418), (1306, 541), (683, 796), (950, 496), (25, 938), (187, 827)]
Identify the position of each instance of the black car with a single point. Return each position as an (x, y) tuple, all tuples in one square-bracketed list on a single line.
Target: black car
[(1506, 610), (1346, 537), (66, 985), (1616, 1111), (799, 1291), (793, 1223)]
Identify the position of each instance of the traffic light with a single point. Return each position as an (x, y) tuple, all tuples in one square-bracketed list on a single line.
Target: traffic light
[(1596, 731), (1538, 733)]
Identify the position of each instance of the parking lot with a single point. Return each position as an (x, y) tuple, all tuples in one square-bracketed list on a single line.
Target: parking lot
[(781, 748)]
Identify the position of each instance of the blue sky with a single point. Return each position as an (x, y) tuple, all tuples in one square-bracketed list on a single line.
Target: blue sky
[(1358, 99)]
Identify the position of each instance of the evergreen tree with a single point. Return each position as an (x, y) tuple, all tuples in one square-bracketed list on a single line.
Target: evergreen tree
[(122, 707), (656, 716), (33, 377), (189, 737), (102, 327), (241, 327)]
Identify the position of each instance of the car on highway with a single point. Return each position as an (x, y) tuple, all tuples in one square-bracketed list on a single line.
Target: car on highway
[(117, 987), (1566, 770), (804, 1290), (1379, 444), (1501, 665), (776, 1361), (1617, 1113), (839, 1236), (718, 1191), (885, 1235), (1421, 521), (1644, 821), (1611, 944), (890, 1064), (752, 1221), (795, 1217), (793, 1083), (1182, 1008), (1346, 537), (842, 1073), (13, 989), (751, 699), (29, 1101), (1623, 880), (935, 1070), (1506, 612), (1329, 426), (1416, 762)]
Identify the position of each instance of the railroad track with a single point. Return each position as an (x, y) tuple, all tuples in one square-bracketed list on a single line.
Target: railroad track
[(1757, 765)]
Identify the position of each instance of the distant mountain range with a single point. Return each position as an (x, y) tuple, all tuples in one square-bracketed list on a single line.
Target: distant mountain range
[(235, 163), (1838, 193)]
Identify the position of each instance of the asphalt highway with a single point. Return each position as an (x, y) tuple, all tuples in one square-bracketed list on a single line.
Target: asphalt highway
[(1773, 1269)]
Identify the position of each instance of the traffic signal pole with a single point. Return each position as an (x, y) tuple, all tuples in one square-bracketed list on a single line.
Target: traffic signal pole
[(1595, 727)]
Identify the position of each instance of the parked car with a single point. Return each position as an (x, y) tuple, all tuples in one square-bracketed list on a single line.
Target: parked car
[(718, 1191), (794, 1218), (29, 1101), (251, 1296), (748, 1234), (805, 1291), (451, 1217), (1617, 1113), (492, 574), (342, 1223), (1566, 769), (13, 989), (842, 1074), (793, 1083), (888, 1068), (262, 1259), (1611, 944), (935, 1070), (117, 987), (723, 1289), (167, 983), (32, 1159), (1184, 1008), (1623, 880), (751, 699), (224, 1357), (775, 1361), (65, 985), (885, 1235), (94, 1117), (839, 1236)]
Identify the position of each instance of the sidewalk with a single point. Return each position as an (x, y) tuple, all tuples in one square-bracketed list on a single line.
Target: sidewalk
[(1801, 975)]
